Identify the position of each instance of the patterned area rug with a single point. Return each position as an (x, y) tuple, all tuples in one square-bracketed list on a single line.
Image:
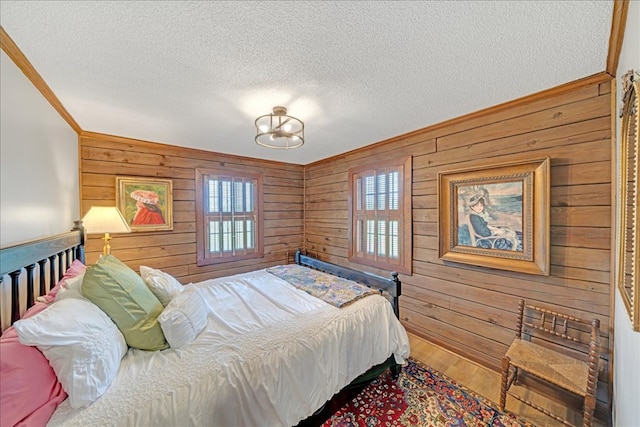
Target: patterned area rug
[(421, 397)]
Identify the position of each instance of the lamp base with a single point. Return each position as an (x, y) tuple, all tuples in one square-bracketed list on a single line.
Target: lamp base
[(106, 250)]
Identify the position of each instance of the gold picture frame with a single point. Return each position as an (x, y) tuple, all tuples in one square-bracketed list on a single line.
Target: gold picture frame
[(627, 254), (496, 216), (145, 203)]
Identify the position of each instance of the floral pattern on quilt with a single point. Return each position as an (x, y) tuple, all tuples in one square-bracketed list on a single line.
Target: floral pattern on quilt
[(331, 289)]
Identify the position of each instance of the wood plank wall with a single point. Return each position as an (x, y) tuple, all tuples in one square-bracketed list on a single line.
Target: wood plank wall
[(104, 157), (472, 310)]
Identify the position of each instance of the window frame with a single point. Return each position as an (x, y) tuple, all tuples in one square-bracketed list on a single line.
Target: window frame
[(202, 253), (404, 215)]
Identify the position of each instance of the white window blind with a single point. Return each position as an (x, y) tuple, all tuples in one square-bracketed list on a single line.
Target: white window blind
[(229, 224), (379, 215)]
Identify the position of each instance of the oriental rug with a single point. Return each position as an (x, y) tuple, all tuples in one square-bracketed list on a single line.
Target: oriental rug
[(420, 397)]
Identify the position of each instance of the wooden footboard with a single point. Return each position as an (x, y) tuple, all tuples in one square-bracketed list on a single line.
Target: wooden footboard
[(392, 286)]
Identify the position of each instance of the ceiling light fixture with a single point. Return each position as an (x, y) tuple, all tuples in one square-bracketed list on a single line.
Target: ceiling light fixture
[(278, 130)]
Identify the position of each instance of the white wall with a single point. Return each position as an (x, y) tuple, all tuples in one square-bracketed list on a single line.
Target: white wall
[(39, 182), (626, 381)]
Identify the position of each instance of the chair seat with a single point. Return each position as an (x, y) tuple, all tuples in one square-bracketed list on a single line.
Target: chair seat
[(557, 368)]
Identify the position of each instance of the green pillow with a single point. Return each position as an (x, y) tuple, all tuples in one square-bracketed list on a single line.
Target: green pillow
[(123, 295)]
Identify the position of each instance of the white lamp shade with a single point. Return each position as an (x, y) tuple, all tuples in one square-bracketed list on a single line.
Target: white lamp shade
[(102, 219)]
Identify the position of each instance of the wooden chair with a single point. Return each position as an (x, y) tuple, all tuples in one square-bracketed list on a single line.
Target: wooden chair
[(546, 361)]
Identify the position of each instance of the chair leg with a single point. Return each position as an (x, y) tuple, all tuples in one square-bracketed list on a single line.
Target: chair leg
[(503, 384), (589, 408)]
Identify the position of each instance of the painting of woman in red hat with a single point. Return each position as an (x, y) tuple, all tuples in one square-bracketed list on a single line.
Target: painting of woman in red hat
[(148, 211), (146, 203)]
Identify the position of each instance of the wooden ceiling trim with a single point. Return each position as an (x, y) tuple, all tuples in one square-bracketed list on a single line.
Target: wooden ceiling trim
[(618, 25)]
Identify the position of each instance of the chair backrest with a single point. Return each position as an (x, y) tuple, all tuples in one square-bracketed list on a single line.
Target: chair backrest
[(576, 335), (474, 236), (472, 232)]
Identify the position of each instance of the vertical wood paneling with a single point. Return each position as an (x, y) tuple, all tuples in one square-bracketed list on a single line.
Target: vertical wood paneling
[(472, 310), (104, 157)]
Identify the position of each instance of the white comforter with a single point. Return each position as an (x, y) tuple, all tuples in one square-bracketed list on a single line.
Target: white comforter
[(270, 356)]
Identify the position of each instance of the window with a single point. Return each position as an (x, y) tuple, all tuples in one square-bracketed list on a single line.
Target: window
[(228, 216), (380, 215)]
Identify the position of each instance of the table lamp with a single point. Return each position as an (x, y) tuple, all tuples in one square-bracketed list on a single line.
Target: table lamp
[(101, 219)]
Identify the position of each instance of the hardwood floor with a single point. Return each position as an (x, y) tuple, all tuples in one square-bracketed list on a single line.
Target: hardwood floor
[(487, 383)]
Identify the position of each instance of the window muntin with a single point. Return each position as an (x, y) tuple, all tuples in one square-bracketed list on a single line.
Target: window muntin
[(380, 215), (229, 216)]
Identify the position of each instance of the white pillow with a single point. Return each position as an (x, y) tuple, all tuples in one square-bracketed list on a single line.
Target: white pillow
[(83, 346), (184, 318), (163, 285), (72, 289)]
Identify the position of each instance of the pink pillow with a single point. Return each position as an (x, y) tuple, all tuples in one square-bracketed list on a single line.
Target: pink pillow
[(74, 269), (29, 391)]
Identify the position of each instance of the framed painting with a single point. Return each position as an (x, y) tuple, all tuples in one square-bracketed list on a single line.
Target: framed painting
[(496, 217), (628, 203), (146, 203)]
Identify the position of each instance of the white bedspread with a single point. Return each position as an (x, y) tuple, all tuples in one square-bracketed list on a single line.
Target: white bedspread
[(269, 356)]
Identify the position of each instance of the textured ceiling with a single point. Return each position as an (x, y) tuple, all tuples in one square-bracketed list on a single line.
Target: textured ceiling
[(197, 74)]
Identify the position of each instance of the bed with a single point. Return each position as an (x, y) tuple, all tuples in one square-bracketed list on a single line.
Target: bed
[(269, 353)]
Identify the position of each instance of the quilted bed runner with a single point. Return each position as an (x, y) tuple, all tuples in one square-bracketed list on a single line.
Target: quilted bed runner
[(330, 289)]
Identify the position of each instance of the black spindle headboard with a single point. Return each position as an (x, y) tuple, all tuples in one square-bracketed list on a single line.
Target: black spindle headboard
[(54, 253)]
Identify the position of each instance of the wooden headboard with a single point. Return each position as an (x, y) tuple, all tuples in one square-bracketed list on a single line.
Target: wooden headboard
[(392, 286), (52, 256)]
